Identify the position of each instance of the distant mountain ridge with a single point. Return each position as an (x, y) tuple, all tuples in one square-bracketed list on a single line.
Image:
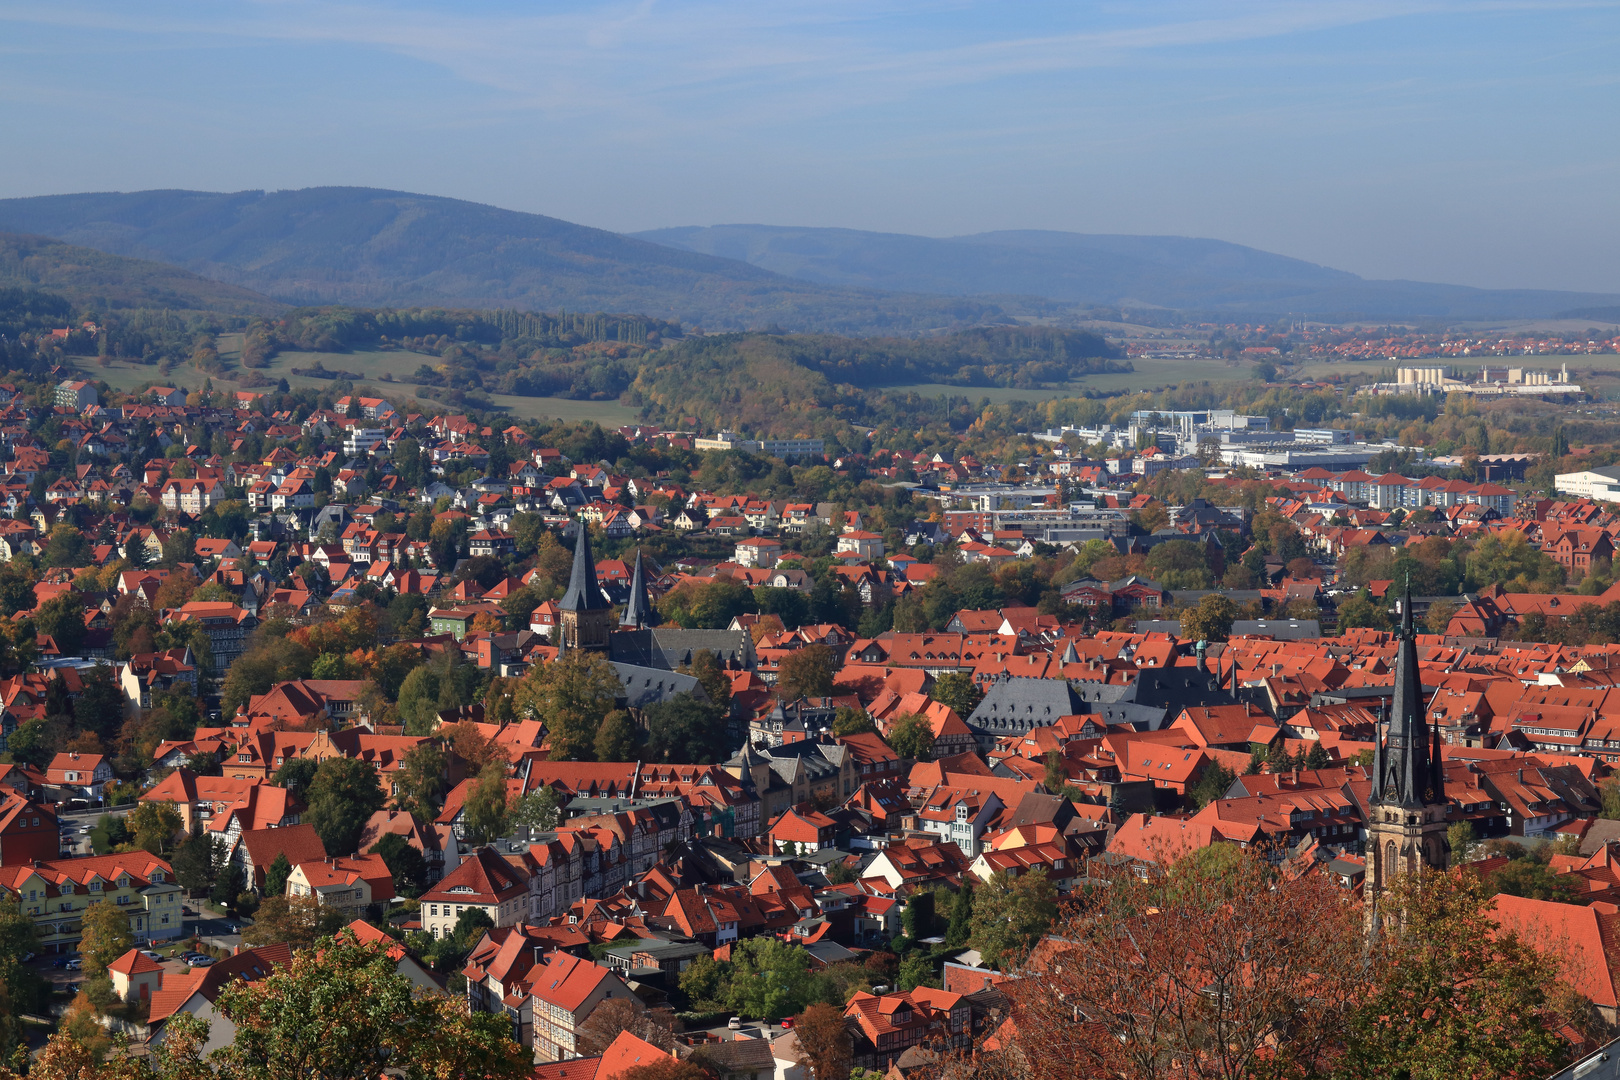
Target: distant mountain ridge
[(372, 247), (1113, 270), (96, 281)]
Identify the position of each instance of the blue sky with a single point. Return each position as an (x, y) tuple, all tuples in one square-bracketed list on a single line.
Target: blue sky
[(1470, 142)]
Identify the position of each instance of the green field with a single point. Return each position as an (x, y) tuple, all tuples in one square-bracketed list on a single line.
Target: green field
[(401, 367), (1148, 375), (369, 364)]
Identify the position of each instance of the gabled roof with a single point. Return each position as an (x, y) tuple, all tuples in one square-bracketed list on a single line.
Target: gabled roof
[(481, 878), (567, 981)]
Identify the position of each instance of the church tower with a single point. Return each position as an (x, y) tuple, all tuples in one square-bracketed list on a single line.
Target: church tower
[(638, 610), (1406, 813), (585, 611)]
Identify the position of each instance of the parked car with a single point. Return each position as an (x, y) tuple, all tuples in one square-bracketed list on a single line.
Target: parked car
[(152, 954), (74, 965), (787, 1022), (201, 961), (735, 1023)]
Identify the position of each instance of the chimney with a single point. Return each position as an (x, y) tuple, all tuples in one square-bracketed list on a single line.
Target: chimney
[(1296, 777)]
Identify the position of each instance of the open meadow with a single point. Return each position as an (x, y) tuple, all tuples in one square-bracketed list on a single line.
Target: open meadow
[(1149, 374), (371, 365)]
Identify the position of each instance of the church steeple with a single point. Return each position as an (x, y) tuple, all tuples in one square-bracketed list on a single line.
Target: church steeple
[(586, 613), (1406, 808), (1407, 774), (638, 610)]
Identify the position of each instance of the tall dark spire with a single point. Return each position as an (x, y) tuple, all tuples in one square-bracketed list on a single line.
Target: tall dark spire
[(638, 610), (1406, 770), (584, 591)]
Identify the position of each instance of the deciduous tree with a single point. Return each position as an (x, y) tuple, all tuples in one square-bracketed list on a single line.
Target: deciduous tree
[(104, 937), (912, 736), (825, 1040), (1193, 975), (616, 1015), (341, 798), (1211, 620), (806, 672), (485, 810), (1010, 914), (343, 1012), (573, 696), (1453, 993), (957, 690)]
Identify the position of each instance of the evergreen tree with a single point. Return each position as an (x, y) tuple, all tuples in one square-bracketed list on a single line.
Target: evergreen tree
[(193, 862), (276, 875), (961, 926)]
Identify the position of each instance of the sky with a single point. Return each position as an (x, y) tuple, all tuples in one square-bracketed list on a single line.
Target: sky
[(1469, 142)]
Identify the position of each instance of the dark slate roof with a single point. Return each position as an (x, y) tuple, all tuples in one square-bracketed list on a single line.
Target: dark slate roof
[(673, 647), (638, 608), (584, 592), (645, 686), (1280, 629), (1016, 705)]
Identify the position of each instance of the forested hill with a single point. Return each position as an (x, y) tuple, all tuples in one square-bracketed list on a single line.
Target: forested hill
[(785, 385), (763, 382), (372, 248), (95, 282), (1177, 272)]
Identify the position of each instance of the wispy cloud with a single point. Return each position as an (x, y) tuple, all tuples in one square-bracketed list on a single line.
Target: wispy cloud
[(823, 56)]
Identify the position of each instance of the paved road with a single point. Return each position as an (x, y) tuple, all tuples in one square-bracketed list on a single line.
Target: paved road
[(213, 929), (77, 842)]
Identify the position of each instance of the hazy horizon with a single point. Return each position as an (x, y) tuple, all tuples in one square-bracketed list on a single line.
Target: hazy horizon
[(1445, 142)]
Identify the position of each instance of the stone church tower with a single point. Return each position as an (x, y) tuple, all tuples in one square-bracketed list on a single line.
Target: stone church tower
[(585, 612), (1406, 813)]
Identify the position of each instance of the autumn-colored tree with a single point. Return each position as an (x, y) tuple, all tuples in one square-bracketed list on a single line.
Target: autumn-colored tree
[(1454, 993), (825, 1040), (1203, 973), (616, 1015), (807, 672), (298, 921), (472, 746), (1211, 620), (175, 591), (666, 1069), (105, 936)]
